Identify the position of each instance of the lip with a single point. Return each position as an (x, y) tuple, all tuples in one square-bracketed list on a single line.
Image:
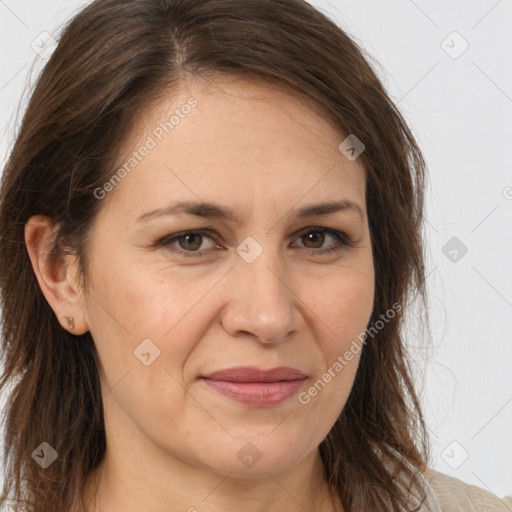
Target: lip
[(256, 387), (253, 374)]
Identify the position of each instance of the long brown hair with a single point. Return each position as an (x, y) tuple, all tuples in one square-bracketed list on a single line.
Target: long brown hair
[(113, 60)]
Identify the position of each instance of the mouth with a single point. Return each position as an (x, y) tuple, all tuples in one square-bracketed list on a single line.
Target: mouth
[(256, 387)]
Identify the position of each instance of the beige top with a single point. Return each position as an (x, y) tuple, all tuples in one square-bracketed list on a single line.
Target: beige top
[(453, 495)]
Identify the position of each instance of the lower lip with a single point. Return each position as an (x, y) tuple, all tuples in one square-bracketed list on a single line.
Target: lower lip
[(257, 394)]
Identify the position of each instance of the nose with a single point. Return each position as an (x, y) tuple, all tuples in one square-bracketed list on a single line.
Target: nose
[(261, 303)]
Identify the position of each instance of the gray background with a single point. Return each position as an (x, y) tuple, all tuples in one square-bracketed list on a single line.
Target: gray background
[(459, 105)]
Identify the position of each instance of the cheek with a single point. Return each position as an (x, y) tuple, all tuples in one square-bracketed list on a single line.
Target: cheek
[(345, 304), (343, 310), (138, 300), (325, 397), (129, 307), (132, 303)]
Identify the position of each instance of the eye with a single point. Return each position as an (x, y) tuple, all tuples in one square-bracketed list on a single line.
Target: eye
[(316, 236), (189, 243)]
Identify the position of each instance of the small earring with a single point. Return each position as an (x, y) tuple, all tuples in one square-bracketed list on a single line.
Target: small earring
[(71, 322)]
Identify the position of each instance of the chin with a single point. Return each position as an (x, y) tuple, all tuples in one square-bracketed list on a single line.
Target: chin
[(255, 458)]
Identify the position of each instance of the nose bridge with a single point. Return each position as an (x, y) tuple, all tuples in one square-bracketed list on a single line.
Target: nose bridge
[(264, 269), (262, 302)]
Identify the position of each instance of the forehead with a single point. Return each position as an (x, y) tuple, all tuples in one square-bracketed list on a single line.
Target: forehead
[(243, 111), (235, 140)]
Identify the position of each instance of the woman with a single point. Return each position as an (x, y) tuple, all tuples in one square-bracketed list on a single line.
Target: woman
[(261, 368)]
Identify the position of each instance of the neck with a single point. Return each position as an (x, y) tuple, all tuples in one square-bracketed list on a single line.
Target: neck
[(129, 483)]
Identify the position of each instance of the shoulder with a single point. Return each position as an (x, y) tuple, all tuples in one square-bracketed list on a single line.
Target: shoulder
[(455, 495)]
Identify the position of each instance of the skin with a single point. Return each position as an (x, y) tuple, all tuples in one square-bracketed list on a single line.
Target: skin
[(172, 442)]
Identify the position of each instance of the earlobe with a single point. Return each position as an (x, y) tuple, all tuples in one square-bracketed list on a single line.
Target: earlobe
[(56, 275)]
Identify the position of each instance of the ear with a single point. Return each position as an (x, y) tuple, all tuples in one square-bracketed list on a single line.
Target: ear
[(57, 274)]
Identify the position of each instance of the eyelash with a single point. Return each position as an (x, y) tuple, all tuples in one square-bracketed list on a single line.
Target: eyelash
[(342, 238)]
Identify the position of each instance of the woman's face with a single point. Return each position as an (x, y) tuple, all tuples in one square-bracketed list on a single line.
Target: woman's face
[(256, 287)]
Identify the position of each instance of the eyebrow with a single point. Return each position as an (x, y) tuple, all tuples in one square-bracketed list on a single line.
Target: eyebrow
[(214, 211)]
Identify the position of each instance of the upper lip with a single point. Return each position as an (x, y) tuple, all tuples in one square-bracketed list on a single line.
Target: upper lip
[(252, 374)]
